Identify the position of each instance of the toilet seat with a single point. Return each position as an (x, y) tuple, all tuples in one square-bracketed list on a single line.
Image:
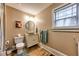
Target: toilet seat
[(20, 45)]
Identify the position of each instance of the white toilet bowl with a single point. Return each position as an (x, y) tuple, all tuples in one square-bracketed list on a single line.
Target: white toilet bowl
[(19, 48), (19, 44)]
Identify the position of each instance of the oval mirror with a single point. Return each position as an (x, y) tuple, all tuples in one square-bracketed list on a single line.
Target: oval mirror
[(30, 27)]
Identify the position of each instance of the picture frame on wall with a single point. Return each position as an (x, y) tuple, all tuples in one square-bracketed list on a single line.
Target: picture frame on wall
[(18, 24)]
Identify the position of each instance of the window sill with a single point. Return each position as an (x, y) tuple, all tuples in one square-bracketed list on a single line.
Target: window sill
[(74, 29), (65, 30)]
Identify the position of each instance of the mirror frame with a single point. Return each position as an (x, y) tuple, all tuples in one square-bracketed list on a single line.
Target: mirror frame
[(30, 27)]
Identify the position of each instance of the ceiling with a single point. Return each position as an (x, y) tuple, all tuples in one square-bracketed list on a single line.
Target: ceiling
[(31, 8)]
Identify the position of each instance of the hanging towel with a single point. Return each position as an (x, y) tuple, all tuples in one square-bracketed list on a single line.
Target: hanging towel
[(44, 36)]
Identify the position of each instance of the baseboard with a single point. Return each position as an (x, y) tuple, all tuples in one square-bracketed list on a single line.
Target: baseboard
[(51, 50)]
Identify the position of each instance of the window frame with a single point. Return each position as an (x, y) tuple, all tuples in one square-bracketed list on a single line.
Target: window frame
[(64, 27)]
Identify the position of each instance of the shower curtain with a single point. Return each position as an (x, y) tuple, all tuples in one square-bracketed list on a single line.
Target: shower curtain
[(1, 26)]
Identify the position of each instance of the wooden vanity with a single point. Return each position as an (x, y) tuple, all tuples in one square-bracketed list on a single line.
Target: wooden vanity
[(31, 39)]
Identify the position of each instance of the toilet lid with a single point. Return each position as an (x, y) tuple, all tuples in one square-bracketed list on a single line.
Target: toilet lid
[(20, 45)]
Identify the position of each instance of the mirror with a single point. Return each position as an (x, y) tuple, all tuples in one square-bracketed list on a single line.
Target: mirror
[(30, 27)]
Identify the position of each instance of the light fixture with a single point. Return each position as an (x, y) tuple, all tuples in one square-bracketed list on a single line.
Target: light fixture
[(33, 19)]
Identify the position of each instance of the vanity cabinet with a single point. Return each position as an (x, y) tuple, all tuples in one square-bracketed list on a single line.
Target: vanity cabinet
[(31, 39)]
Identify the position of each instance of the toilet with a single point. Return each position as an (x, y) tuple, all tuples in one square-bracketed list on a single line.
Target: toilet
[(19, 44)]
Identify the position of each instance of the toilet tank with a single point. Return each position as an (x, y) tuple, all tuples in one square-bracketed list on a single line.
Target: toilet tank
[(19, 39)]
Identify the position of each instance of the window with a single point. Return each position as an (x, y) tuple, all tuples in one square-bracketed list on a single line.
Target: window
[(66, 16)]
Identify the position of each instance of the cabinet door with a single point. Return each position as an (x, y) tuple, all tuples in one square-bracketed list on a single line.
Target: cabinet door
[(29, 41), (35, 38)]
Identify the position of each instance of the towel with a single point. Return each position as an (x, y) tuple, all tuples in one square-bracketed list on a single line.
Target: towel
[(44, 36)]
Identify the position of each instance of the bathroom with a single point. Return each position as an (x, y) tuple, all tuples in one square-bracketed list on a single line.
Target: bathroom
[(16, 24)]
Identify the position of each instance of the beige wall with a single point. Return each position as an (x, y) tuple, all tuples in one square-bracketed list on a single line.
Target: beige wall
[(11, 16), (62, 41)]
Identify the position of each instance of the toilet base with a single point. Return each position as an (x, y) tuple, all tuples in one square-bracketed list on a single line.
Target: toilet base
[(20, 51)]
